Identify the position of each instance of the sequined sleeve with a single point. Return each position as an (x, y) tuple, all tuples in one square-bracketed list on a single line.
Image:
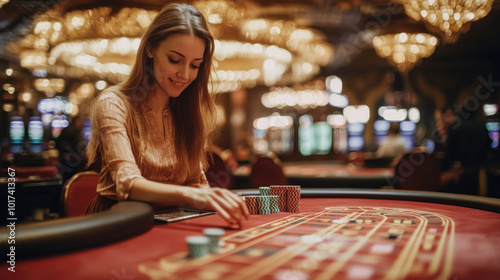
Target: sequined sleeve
[(117, 153)]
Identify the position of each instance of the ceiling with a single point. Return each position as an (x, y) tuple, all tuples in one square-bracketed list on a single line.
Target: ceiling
[(349, 25)]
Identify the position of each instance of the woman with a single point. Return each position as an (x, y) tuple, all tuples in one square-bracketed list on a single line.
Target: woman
[(152, 129)]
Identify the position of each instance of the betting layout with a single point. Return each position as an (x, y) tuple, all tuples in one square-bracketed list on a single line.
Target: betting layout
[(336, 243)]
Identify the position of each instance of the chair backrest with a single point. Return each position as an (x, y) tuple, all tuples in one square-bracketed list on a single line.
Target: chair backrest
[(266, 172), (218, 173), (418, 171), (78, 191)]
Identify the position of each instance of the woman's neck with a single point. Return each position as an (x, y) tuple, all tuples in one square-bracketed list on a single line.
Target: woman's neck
[(159, 101)]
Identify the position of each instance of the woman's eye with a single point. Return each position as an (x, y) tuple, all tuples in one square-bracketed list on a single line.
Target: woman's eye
[(173, 61), (195, 66)]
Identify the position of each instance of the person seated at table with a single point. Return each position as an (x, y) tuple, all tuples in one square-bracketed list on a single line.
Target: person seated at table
[(152, 129), (467, 149), (394, 144)]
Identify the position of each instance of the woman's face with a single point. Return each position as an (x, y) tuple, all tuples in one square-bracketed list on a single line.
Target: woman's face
[(176, 62)]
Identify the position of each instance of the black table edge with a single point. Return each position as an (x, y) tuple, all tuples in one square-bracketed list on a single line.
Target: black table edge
[(476, 202), (124, 220)]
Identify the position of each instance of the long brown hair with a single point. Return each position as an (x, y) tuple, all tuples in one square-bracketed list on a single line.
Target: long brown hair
[(194, 112)]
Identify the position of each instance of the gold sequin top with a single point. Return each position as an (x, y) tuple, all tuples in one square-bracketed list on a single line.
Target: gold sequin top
[(154, 160)]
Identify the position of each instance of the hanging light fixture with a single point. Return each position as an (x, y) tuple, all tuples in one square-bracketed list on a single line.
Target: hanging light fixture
[(450, 17), (405, 50), (3, 2), (102, 42)]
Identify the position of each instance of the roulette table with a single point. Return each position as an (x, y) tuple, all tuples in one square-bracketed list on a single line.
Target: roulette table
[(337, 234)]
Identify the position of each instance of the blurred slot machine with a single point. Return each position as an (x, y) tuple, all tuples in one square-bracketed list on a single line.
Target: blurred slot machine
[(323, 137), (408, 129), (58, 124), (16, 134), (260, 144), (315, 138), (306, 135), (492, 123), (355, 138), (380, 129), (493, 128), (273, 133), (338, 123), (35, 133)]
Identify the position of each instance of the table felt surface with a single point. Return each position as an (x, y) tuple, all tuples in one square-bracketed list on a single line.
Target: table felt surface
[(457, 242)]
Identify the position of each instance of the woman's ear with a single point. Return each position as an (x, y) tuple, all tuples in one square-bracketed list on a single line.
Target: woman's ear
[(149, 53)]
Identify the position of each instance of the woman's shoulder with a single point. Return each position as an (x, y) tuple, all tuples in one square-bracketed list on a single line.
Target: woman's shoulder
[(112, 99), (113, 93)]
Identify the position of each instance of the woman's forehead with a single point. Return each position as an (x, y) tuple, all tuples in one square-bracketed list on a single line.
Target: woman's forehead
[(189, 46)]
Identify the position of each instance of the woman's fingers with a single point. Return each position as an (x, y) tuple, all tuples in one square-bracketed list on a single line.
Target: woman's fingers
[(229, 205), (216, 200), (217, 207), (238, 202)]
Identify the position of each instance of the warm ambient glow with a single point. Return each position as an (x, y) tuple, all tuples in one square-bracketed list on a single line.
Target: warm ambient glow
[(451, 17), (102, 43), (405, 50)]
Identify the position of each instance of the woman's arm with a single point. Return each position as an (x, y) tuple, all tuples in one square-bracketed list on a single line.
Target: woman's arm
[(231, 207)]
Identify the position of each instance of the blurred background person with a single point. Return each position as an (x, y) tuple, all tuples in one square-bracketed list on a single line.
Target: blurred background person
[(71, 146), (394, 145), (467, 147)]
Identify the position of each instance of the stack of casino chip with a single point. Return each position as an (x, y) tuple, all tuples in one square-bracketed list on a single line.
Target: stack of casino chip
[(264, 191), (274, 204), (263, 204), (197, 246), (293, 199), (214, 235), (274, 199), (281, 192), (289, 197), (252, 204)]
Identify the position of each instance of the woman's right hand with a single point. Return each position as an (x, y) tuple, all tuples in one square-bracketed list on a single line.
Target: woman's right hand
[(229, 205)]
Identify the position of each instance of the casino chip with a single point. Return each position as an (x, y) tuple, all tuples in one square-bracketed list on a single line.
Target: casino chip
[(197, 246), (214, 234)]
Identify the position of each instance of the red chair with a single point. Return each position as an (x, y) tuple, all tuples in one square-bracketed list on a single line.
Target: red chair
[(78, 191), (418, 171), (266, 171), (218, 173)]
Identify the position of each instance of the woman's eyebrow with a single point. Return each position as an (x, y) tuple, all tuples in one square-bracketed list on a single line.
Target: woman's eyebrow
[(183, 55)]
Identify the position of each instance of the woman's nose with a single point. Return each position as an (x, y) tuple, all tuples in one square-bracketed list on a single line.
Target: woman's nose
[(183, 72)]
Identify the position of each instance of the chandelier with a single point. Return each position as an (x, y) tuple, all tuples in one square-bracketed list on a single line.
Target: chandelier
[(405, 50), (49, 86), (449, 17), (3, 2), (102, 43)]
